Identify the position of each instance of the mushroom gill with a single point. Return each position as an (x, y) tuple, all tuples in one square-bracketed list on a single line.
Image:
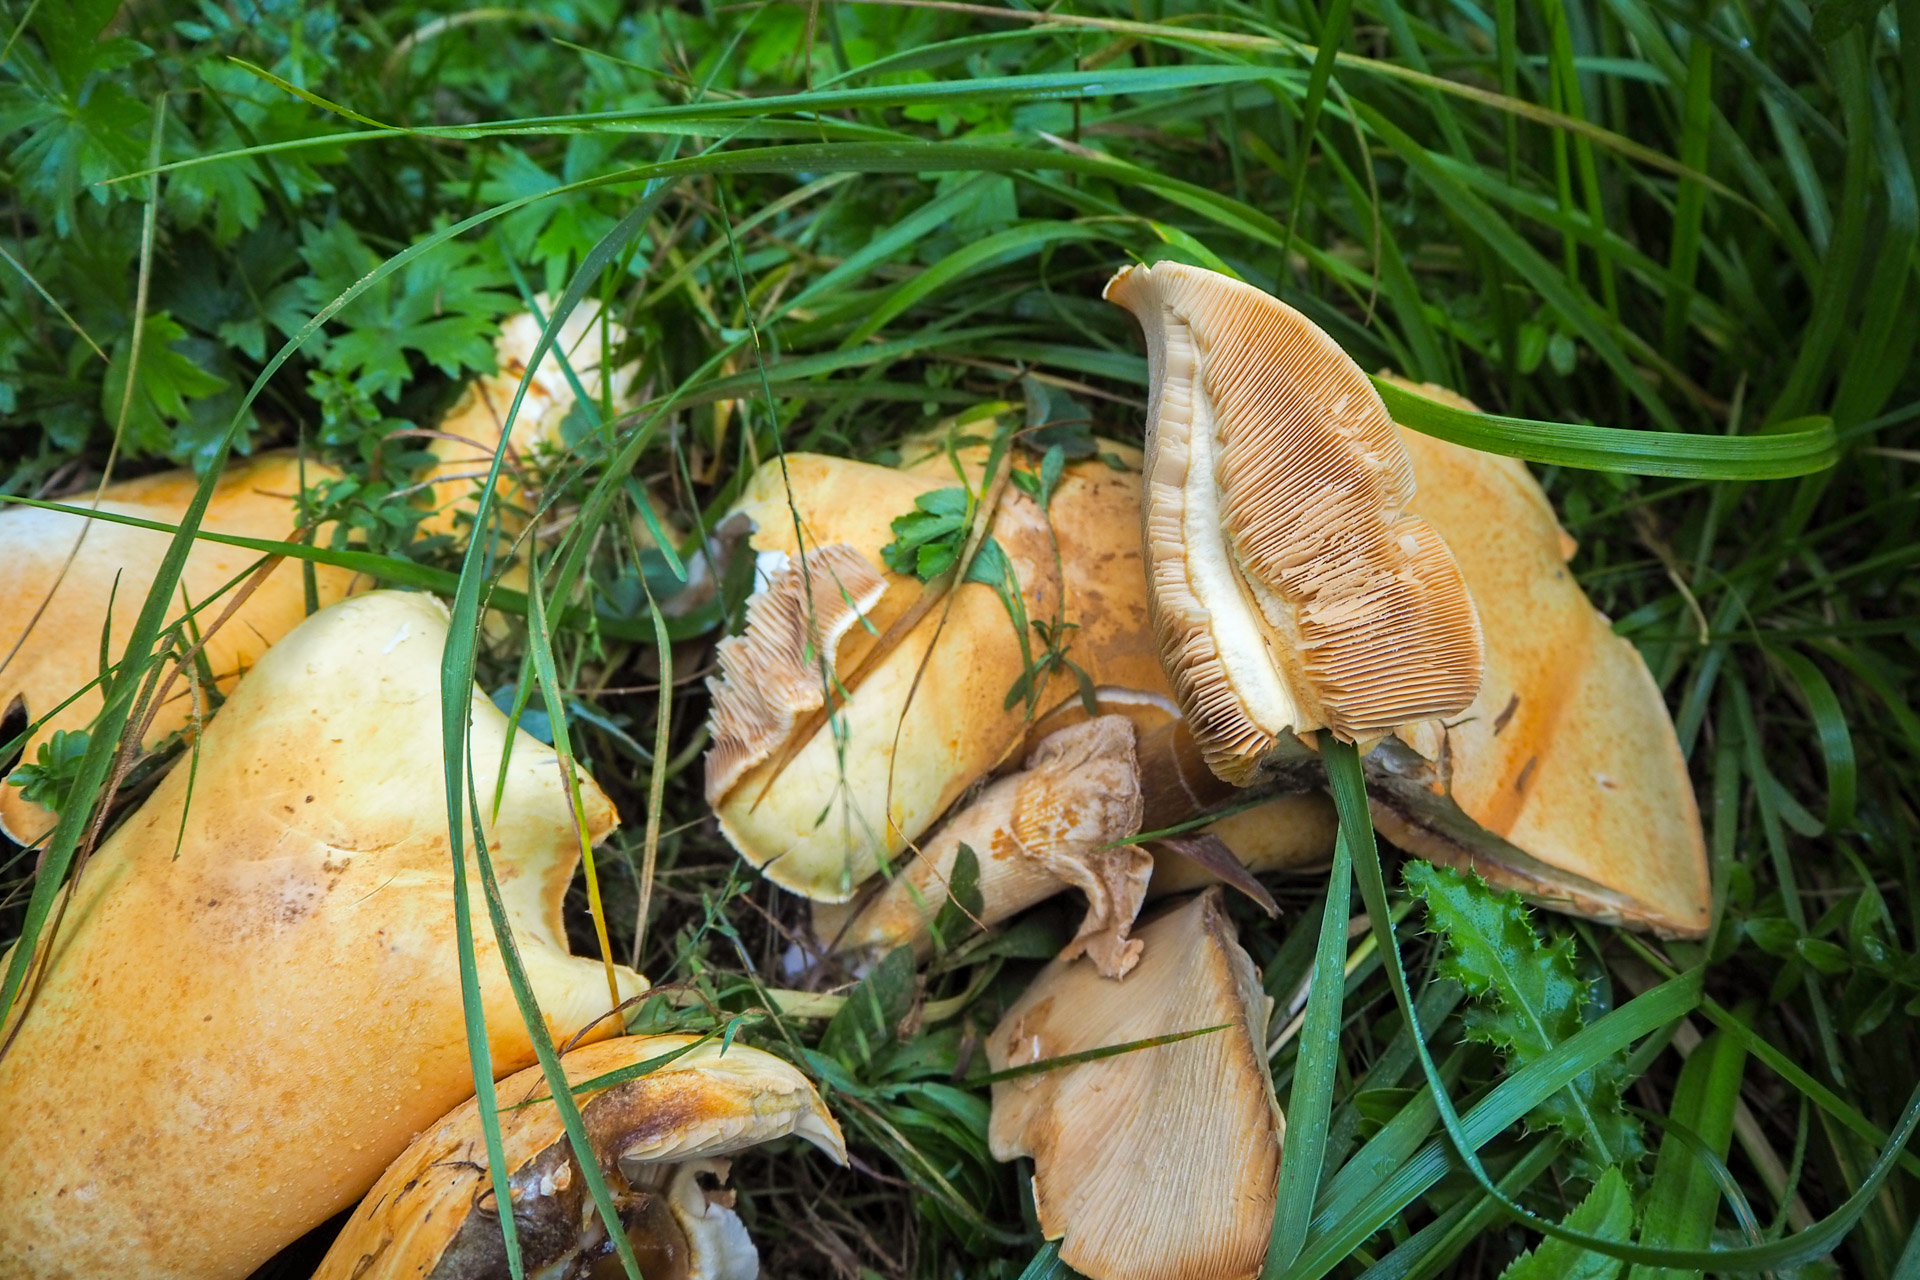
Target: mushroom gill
[(261, 988), (1159, 1163), (659, 1140), (1291, 589), (1564, 779)]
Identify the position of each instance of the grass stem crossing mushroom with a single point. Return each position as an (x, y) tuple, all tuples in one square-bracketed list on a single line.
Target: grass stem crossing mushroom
[(1159, 1163)]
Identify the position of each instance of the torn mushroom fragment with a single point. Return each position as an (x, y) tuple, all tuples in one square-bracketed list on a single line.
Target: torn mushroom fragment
[(821, 806), (48, 655), (1158, 1163), (1062, 820), (1564, 779), (660, 1141), (1291, 589), (472, 431), (263, 986)]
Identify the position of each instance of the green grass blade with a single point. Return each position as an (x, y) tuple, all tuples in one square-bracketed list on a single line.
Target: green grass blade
[(1311, 1101), (1349, 789), (1804, 451), (1684, 1199)]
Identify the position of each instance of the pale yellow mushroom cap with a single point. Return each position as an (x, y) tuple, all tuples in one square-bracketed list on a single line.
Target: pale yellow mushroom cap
[(1160, 1163), (473, 430), (55, 654), (249, 1013), (1563, 779), (1291, 589), (654, 1136)]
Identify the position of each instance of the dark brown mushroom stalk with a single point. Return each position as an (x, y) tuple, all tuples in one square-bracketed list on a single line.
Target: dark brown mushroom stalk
[(660, 1140), (1159, 1163)]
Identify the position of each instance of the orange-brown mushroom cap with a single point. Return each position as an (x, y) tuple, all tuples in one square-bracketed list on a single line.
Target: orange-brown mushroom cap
[(1159, 1163), (1291, 589), (823, 815), (254, 1002), (1564, 778)]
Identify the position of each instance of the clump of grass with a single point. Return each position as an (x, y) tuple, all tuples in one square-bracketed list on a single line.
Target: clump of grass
[(825, 226)]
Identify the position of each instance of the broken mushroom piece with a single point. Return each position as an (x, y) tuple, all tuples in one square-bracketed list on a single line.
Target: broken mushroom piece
[(1158, 1163), (1564, 779), (1062, 820), (1290, 832), (660, 1139), (48, 655), (472, 431), (821, 806), (262, 986), (1291, 589)]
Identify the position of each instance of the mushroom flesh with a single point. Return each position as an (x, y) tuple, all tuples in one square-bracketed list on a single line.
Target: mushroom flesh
[(1564, 778), (1291, 589)]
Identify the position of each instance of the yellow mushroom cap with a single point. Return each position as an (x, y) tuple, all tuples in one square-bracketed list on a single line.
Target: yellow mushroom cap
[(46, 659), (251, 1009), (1564, 779), (1291, 589), (654, 1135), (1160, 1163)]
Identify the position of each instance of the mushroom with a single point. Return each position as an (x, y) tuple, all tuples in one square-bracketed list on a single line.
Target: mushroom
[(660, 1138), (261, 987), (1065, 821), (1291, 590), (1158, 1163), (1563, 779), (470, 433), (48, 655), (819, 816)]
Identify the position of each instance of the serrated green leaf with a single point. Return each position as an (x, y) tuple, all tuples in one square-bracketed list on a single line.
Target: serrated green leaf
[(442, 306), (1607, 1211), (1527, 997)]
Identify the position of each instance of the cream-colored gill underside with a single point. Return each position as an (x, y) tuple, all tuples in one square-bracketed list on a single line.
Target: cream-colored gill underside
[(1217, 587)]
